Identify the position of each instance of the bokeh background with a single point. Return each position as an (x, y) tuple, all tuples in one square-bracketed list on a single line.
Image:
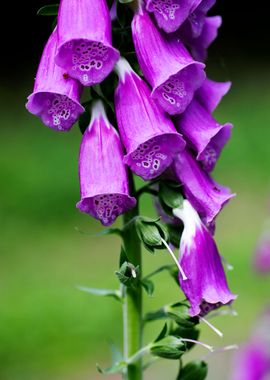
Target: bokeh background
[(49, 329)]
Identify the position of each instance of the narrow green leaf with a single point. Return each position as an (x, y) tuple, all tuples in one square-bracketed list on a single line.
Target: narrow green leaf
[(116, 368), (102, 292), (48, 10), (148, 286), (163, 333)]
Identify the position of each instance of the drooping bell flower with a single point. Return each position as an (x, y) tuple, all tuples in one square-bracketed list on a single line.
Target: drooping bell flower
[(166, 64), (148, 134), (205, 195), (251, 362), (206, 286), (56, 97), (103, 175), (85, 43), (204, 135), (199, 45), (194, 24), (211, 93), (261, 260), (170, 14)]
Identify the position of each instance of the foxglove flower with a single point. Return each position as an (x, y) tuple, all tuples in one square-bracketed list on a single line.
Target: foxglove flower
[(261, 259), (103, 176), (193, 26), (205, 195), (206, 286), (166, 64), (56, 97), (199, 45), (252, 362), (170, 14), (85, 42), (203, 134), (148, 134), (211, 93)]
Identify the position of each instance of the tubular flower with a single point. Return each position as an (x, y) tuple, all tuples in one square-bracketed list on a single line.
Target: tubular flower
[(199, 45), (203, 133), (166, 64), (103, 176), (206, 286), (55, 98), (170, 14), (211, 93), (252, 362), (148, 134), (85, 43), (205, 195)]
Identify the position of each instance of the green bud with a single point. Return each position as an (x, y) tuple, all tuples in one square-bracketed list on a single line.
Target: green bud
[(170, 194), (169, 347), (151, 232), (193, 370)]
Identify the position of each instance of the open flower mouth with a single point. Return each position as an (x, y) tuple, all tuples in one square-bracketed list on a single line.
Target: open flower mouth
[(57, 111), (87, 61)]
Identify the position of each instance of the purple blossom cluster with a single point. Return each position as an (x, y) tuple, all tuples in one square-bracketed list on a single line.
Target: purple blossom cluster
[(165, 123)]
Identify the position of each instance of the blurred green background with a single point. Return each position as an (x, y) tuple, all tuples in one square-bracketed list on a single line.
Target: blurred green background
[(49, 329)]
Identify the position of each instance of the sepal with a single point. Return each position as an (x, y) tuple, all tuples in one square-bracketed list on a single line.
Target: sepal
[(193, 370)]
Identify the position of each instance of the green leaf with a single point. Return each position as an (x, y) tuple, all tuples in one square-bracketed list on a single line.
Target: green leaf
[(169, 347), (125, 1), (162, 334), (123, 256), (193, 370), (118, 367), (170, 195), (48, 10), (102, 292), (148, 286), (178, 312)]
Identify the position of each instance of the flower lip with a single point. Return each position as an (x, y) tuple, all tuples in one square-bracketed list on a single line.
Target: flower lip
[(56, 110), (213, 149), (88, 61), (106, 207), (152, 157), (176, 93)]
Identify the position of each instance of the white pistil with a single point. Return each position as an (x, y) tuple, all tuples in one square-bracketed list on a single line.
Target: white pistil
[(219, 333), (210, 348), (175, 259)]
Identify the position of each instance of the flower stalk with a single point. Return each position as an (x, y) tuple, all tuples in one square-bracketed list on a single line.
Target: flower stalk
[(132, 307)]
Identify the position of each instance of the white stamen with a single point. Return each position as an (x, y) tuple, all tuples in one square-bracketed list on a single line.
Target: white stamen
[(210, 348), (175, 259), (219, 333)]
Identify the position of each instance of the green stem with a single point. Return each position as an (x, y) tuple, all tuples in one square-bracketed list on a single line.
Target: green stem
[(132, 309)]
